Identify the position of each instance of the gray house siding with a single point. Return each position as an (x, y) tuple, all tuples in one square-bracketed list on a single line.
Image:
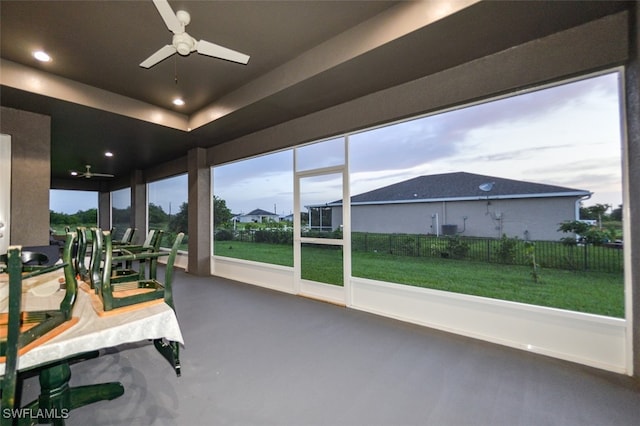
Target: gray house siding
[(465, 203), (527, 218)]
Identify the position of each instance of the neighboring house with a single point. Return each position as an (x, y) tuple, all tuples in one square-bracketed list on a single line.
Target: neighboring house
[(258, 216), (287, 218), (466, 204)]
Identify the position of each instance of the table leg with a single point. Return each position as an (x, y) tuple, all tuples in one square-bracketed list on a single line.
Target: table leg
[(57, 398), (171, 351)]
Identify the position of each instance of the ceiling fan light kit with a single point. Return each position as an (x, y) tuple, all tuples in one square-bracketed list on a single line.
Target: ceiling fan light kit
[(183, 43)]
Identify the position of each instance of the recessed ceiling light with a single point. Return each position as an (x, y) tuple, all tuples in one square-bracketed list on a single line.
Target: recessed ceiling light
[(74, 173), (178, 102), (108, 154), (41, 56)]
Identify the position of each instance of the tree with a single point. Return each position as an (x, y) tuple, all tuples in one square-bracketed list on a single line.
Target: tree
[(221, 213), (596, 212), (81, 217), (575, 226), (87, 216), (616, 214), (121, 215), (57, 218), (157, 214), (587, 233), (586, 214), (180, 221)]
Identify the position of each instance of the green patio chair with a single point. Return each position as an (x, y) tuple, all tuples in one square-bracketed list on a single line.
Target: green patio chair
[(138, 289), (26, 327), (10, 336), (80, 263), (147, 268), (127, 238)]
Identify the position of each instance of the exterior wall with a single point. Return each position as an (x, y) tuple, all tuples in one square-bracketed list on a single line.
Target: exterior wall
[(257, 218), (30, 175), (631, 203), (527, 219)]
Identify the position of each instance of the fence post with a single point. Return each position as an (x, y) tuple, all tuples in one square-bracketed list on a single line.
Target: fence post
[(586, 262)]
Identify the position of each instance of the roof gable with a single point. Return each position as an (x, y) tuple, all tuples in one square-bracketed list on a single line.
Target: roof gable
[(260, 212)]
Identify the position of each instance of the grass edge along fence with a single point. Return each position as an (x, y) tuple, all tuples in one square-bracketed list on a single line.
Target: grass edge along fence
[(511, 251), (599, 293)]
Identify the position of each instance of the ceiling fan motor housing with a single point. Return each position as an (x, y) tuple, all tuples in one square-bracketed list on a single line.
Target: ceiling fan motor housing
[(184, 43)]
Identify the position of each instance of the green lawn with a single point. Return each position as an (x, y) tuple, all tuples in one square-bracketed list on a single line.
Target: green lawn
[(276, 254), (592, 292)]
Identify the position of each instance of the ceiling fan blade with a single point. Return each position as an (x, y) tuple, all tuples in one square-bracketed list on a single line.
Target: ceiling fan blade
[(168, 16), (101, 175), (162, 54), (210, 49)]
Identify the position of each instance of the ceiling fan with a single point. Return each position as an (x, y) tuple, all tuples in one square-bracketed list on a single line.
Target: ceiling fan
[(183, 43), (89, 174)]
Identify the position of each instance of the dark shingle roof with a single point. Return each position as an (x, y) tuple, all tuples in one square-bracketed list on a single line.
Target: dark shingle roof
[(260, 212), (460, 185)]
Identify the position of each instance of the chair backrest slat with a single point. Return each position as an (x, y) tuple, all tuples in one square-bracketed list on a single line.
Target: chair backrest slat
[(148, 241), (127, 236), (95, 275), (14, 267), (168, 273)]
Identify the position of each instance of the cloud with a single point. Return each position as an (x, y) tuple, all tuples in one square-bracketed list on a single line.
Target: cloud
[(568, 135), (555, 121)]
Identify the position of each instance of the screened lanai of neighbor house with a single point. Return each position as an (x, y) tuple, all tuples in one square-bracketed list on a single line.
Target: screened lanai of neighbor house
[(489, 152)]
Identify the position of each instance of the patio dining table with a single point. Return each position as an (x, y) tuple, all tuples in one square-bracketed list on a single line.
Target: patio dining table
[(90, 332)]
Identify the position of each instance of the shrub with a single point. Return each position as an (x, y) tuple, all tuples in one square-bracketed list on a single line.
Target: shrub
[(223, 235), (530, 251), (457, 248), (506, 252), (273, 236)]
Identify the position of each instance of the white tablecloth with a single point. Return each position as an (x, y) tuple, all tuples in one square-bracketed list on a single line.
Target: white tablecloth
[(93, 332)]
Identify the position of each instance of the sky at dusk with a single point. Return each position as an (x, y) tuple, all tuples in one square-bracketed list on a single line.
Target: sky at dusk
[(568, 135)]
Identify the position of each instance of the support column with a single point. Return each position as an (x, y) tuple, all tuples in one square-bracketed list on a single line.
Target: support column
[(631, 212), (199, 212), (104, 210), (139, 206)]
